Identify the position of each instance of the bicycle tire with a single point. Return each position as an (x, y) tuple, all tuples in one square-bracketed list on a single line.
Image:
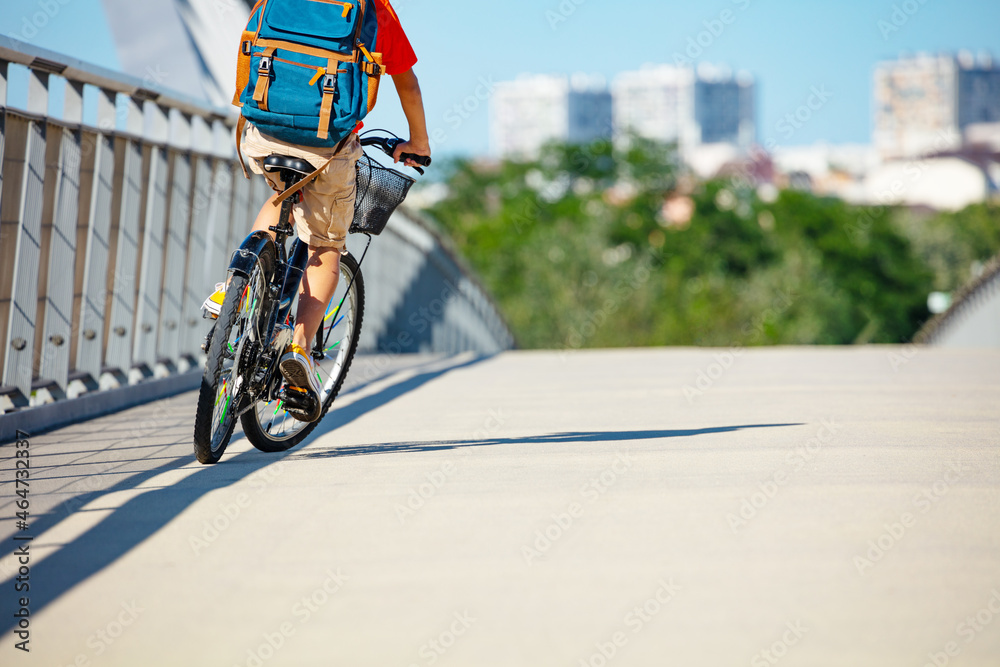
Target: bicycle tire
[(208, 447), (255, 432)]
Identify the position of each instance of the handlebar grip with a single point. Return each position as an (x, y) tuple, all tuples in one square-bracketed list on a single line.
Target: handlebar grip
[(423, 160)]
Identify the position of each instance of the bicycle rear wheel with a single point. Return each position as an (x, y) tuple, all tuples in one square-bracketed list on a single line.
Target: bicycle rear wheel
[(267, 425)]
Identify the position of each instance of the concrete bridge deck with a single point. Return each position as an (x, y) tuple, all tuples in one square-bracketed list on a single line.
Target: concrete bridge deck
[(820, 507)]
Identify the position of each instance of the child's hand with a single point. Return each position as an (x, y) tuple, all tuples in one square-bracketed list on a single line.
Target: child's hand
[(422, 149)]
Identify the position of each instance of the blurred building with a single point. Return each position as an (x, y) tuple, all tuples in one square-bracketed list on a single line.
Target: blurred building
[(929, 104), (533, 110), (656, 103), (692, 107)]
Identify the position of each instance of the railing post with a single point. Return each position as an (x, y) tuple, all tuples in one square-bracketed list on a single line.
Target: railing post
[(151, 271), (121, 329), (3, 106), (94, 299), (73, 106), (172, 303), (38, 92), (134, 117), (3, 83), (106, 110), (222, 139), (58, 318), (240, 223), (18, 367), (219, 215), (198, 282)]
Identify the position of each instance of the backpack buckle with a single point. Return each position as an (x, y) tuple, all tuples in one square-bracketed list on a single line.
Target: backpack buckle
[(329, 83), (265, 66), (246, 47)]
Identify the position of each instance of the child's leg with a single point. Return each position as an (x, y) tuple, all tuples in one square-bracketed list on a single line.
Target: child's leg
[(315, 292), (268, 216)]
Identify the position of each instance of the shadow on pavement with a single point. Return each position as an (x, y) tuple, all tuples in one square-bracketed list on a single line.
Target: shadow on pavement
[(141, 517), (553, 438)]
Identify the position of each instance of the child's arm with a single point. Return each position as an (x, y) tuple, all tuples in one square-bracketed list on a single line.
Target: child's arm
[(408, 89)]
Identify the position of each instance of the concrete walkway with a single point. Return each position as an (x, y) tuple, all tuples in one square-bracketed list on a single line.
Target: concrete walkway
[(810, 507)]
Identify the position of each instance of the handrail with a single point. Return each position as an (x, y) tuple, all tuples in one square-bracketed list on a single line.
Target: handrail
[(109, 231), (110, 234), (967, 298), (73, 69)]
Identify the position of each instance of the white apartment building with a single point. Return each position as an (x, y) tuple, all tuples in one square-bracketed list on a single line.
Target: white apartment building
[(656, 103), (533, 110), (692, 107), (933, 103)]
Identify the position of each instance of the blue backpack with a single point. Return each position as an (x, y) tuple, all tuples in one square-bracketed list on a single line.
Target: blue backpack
[(305, 73)]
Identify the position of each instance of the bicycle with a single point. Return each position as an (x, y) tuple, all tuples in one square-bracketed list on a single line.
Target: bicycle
[(255, 324)]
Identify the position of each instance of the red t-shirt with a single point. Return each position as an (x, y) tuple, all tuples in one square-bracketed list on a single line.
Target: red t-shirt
[(391, 42)]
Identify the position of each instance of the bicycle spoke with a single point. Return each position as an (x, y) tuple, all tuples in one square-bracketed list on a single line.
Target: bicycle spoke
[(336, 335)]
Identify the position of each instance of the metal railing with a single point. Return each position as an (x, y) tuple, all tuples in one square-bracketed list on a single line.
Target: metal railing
[(941, 329), (118, 216), (110, 230)]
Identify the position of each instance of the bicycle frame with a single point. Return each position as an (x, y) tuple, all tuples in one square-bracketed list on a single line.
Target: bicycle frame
[(285, 276)]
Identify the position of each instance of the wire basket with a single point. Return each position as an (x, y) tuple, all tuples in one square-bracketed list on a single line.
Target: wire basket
[(380, 191)]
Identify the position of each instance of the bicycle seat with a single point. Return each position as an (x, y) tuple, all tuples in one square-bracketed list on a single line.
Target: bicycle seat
[(278, 162)]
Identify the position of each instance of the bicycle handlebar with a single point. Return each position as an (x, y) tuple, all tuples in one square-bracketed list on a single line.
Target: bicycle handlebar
[(388, 146)]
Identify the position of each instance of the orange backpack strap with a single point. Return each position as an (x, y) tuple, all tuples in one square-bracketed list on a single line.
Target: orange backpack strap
[(329, 90), (240, 125), (264, 78)]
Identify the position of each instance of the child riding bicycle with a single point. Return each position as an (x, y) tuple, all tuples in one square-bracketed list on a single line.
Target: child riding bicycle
[(326, 205)]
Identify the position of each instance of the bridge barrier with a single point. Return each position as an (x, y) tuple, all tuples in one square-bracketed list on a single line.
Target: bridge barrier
[(119, 212), (973, 320)]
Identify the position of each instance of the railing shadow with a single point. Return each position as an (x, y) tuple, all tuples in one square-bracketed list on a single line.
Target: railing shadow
[(552, 438), (141, 517)]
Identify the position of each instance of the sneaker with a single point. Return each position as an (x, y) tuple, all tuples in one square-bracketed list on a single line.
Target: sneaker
[(300, 375), (213, 304)]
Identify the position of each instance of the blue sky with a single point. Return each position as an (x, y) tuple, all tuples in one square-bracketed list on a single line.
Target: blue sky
[(791, 46)]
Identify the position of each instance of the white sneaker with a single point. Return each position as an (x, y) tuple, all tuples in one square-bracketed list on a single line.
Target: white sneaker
[(213, 304)]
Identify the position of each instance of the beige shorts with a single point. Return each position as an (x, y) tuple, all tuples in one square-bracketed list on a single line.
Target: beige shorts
[(326, 209)]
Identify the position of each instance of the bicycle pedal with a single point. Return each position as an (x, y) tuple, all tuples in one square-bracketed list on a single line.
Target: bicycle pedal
[(297, 400)]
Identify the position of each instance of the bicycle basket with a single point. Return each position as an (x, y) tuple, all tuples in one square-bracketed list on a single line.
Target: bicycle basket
[(380, 191)]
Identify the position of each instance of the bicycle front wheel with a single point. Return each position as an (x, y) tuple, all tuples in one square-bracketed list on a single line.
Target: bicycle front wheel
[(268, 426), (232, 344)]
